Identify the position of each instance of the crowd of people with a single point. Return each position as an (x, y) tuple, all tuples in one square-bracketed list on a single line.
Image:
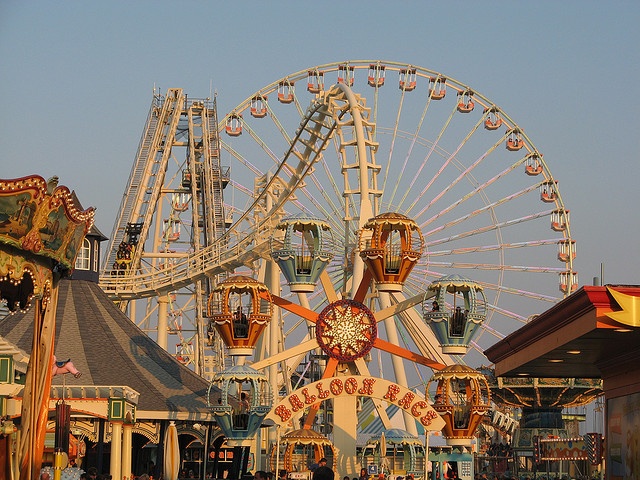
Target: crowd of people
[(500, 450)]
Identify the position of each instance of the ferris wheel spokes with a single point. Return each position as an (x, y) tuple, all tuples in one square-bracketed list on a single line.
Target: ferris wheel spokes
[(351, 211)]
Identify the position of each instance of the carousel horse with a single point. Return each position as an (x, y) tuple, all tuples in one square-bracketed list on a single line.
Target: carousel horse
[(65, 366)]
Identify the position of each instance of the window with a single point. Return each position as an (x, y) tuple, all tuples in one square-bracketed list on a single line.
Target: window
[(84, 255), (96, 246)]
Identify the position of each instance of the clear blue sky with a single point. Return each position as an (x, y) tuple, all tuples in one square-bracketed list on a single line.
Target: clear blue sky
[(77, 79)]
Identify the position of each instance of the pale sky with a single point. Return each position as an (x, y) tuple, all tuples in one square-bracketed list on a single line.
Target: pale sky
[(78, 77)]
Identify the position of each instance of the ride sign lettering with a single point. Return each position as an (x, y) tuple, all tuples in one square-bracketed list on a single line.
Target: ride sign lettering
[(361, 386)]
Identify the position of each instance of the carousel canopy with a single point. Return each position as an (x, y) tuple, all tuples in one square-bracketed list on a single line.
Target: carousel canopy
[(543, 392), (396, 436), (42, 227), (305, 436)]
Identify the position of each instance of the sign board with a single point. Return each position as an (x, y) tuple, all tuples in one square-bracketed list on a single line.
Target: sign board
[(294, 405), (299, 476)]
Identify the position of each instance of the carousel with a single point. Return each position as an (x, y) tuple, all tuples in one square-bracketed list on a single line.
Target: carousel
[(542, 403), (42, 227), (301, 450), (396, 453)]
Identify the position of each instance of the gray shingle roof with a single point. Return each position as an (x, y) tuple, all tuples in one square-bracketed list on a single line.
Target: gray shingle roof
[(109, 349)]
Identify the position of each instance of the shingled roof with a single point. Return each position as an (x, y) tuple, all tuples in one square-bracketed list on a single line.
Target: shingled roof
[(109, 349)]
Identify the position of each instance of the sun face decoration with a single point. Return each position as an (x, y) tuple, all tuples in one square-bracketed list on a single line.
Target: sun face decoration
[(346, 330)]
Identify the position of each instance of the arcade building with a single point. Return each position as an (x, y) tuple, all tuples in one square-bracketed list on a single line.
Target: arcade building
[(593, 333)]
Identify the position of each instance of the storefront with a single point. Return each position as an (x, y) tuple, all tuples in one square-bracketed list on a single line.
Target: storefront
[(593, 333)]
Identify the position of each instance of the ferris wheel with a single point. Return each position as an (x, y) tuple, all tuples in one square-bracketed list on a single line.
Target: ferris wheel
[(345, 142)]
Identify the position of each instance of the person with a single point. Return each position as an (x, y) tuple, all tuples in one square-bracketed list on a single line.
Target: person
[(282, 474), (210, 334), (241, 412), (92, 473), (240, 324), (435, 307), (322, 462), (260, 475), (153, 471), (457, 323), (363, 474), (346, 477), (244, 409), (323, 473), (244, 403)]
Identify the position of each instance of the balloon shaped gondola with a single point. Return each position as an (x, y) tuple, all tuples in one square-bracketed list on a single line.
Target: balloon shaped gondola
[(245, 399), (239, 309), (455, 312), (390, 245), (462, 399), (301, 247)]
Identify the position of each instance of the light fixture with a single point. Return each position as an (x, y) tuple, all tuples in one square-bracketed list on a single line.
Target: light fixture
[(555, 360), (574, 352), (623, 330)]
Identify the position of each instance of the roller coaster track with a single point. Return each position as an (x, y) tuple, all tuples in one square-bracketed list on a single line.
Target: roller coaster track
[(238, 247)]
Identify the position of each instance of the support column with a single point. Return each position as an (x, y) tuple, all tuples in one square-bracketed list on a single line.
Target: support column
[(397, 362), (344, 433), (127, 445), (115, 464), (163, 322), (274, 341)]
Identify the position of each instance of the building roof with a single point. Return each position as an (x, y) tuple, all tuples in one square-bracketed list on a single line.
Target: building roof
[(109, 349), (94, 232), (586, 335)]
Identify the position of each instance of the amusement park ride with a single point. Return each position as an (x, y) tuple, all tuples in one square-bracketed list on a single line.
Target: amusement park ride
[(331, 220)]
